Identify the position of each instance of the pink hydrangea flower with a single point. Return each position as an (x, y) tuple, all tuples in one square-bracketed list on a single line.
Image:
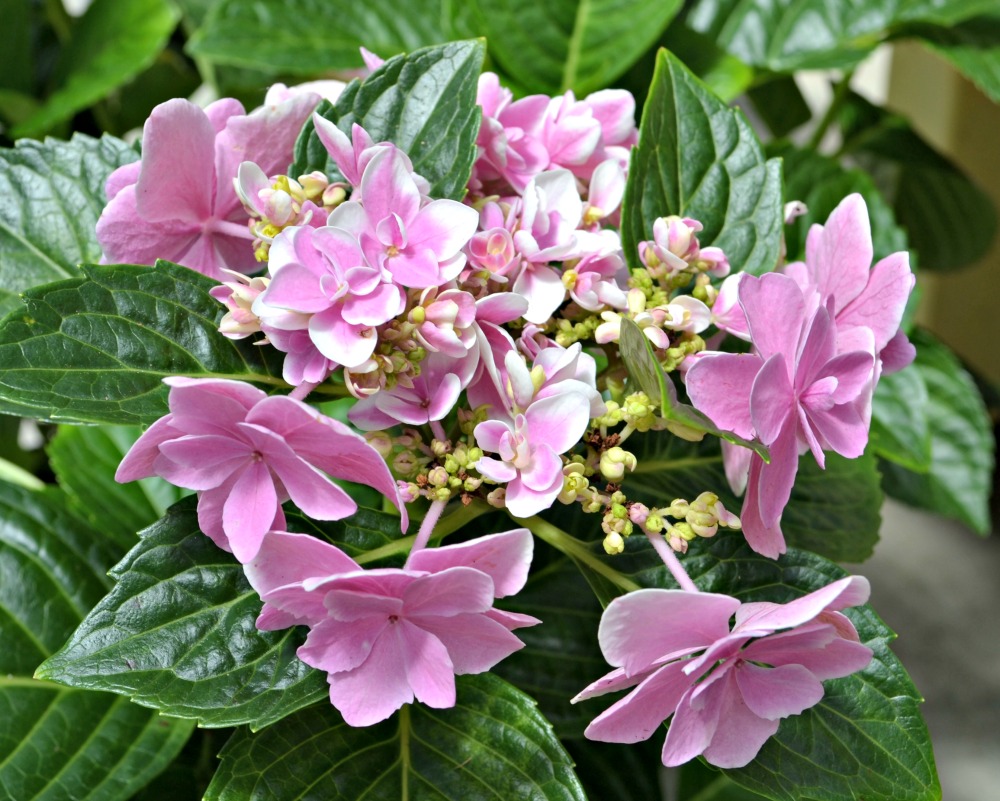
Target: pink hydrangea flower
[(246, 453), (388, 636), (727, 690), (179, 203)]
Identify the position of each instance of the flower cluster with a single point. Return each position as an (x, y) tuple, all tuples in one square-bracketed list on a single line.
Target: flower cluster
[(479, 341)]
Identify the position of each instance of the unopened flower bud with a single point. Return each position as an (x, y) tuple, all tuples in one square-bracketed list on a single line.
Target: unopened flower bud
[(381, 442), (637, 513), (614, 462), (497, 498), (437, 476), (614, 543)]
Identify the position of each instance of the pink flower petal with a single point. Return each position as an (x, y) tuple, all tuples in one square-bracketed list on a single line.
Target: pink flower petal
[(839, 254), (335, 646), (719, 385), (475, 643), (286, 558), (772, 399), (739, 733), (775, 311), (523, 501), (777, 692), (692, 728), (450, 592), (639, 714), (378, 687), (558, 421), (201, 462), (429, 668), (845, 592), (504, 557), (249, 510), (138, 462)]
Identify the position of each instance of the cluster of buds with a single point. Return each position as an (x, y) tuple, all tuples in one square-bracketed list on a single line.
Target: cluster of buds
[(675, 255), (240, 321), (616, 524), (683, 314), (448, 471), (699, 518)]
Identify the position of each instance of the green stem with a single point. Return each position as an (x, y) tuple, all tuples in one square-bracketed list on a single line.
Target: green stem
[(656, 465), (577, 550), (839, 95), (448, 524)]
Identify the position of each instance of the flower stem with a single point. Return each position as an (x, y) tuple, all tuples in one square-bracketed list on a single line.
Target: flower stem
[(438, 430), (577, 550), (426, 527), (672, 562), (839, 95), (302, 390)]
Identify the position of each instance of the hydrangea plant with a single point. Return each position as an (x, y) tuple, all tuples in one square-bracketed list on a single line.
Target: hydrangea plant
[(405, 418)]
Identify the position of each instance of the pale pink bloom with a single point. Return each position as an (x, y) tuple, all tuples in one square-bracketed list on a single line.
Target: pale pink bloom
[(419, 245), (246, 453), (795, 392), (447, 321), (388, 636), (351, 155), (239, 295), (726, 689), (303, 363), (604, 196), (179, 203), (327, 89)]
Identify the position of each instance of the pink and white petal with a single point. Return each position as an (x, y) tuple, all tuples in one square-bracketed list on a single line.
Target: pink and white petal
[(415, 267), (719, 385), (297, 288), (285, 558), (376, 307), (378, 687), (881, 304), (387, 187), (544, 470), (639, 714), (775, 311), (524, 502), (495, 470), (475, 643), (639, 628), (558, 421), (489, 433), (443, 226), (544, 290), (138, 462), (777, 692), (344, 343), (839, 254), (429, 669), (335, 646), (249, 511), (451, 592), (772, 399), (504, 557), (338, 145)]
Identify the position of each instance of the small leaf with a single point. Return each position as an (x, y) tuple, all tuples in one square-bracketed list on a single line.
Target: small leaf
[(114, 41), (959, 479), (697, 158), (551, 46), (96, 348), (637, 353), (51, 195), (57, 742), (493, 744), (423, 102), (177, 634), (85, 458), (317, 35)]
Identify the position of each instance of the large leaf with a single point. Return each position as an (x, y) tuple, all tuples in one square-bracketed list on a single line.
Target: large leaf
[(493, 744), (900, 430), (959, 479), (177, 633), (786, 35), (424, 102), (57, 742), (974, 48), (96, 348), (551, 46), (318, 35), (85, 458), (834, 512), (113, 42), (51, 195), (697, 158)]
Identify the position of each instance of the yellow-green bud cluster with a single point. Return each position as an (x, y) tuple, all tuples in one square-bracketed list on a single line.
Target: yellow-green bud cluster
[(569, 332), (639, 412), (615, 461)]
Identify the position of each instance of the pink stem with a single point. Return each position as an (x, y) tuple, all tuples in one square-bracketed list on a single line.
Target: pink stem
[(426, 527), (303, 389), (438, 430), (672, 562), (228, 228)]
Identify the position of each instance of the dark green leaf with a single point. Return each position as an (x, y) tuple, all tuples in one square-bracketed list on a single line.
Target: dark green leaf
[(780, 104), (833, 512), (114, 41), (821, 183), (900, 429), (96, 348), (366, 536), (492, 745), (177, 634), (551, 46), (724, 74), (425, 103), (697, 158), (959, 478), (560, 656), (951, 222), (16, 36), (57, 742), (316, 35), (51, 195), (85, 458), (617, 772), (786, 35), (974, 48)]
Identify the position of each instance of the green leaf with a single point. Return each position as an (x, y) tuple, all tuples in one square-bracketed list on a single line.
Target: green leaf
[(85, 458), (787, 35), (316, 36), (16, 43), (51, 195), (900, 430), (177, 633), (425, 103), (114, 41), (722, 73), (951, 222), (96, 348), (492, 745), (560, 656), (780, 104), (619, 772), (56, 742), (974, 48), (697, 158), (556, 45), (637, 353), (833, 512), (821, 183), (959, 479)]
